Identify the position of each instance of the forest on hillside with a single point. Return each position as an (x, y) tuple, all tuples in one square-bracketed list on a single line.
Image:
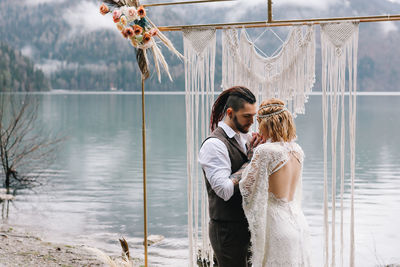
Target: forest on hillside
[(78, 49), (17, 73)]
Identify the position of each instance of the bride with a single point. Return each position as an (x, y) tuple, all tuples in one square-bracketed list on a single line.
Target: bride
[(271, 189)]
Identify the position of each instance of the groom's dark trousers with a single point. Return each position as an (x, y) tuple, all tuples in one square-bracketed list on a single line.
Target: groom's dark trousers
[(229, 234)]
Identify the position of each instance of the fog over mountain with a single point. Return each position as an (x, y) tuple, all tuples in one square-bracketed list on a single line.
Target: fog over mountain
[(79, 49)]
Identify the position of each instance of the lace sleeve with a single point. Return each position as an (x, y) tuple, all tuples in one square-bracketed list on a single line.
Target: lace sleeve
[(254, 171), (254, 190), (249, 177)]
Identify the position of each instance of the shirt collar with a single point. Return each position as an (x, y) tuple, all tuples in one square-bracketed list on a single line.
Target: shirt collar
[(228, 130)]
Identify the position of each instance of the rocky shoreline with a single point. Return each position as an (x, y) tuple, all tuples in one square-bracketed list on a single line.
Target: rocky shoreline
[(21, 248)]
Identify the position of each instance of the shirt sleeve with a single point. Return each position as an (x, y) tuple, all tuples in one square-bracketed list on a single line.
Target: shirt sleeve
[(214, 159)]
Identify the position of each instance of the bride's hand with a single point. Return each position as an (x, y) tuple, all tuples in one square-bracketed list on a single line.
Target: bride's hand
[(256, 140)]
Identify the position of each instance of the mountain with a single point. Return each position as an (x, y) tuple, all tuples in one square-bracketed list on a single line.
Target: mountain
[(17, 73), (79, 49)]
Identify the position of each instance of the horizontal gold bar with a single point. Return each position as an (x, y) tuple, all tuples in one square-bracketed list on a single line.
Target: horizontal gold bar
[(187, 2), (282, 23)]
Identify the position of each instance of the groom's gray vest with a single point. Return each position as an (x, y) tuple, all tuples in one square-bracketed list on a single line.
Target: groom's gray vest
[(230, 210)]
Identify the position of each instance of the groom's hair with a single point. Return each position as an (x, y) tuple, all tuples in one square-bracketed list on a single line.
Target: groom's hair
[(234, 98)]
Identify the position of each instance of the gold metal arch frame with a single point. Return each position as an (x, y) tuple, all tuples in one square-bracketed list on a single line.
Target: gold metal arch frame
[(270, 22)]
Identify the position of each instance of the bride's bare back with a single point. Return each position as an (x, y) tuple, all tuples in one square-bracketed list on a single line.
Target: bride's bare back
[(282, 183)]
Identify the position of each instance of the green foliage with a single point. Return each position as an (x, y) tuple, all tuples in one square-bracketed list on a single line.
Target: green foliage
[(18, 74)]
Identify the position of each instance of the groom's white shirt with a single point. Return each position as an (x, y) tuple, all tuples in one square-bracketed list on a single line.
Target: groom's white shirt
[(214, 159)]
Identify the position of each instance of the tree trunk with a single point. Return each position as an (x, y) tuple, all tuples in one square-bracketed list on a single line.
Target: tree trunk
[(7, 180)]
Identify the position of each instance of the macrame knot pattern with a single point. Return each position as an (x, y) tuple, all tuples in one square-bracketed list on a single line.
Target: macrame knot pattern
[(339, 45), (288, 75), (199, 47)]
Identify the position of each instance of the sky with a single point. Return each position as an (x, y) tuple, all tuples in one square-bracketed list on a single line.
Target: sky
[(85, 17)]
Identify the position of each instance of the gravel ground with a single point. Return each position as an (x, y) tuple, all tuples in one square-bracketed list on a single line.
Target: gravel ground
[(18, 248)]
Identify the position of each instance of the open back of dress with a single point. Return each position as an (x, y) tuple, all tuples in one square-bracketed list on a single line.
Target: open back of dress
[(283, 180), (279, 231)]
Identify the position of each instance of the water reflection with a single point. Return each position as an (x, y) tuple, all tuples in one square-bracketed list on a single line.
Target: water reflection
[(97, 195)]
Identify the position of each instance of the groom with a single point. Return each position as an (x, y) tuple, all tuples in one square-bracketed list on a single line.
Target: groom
[(221, 157)]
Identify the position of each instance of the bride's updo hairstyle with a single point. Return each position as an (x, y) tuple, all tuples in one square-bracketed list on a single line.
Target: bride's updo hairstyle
[(274, 118)]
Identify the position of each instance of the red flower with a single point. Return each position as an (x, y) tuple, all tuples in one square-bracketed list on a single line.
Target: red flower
[(141, 12), (117, 16), (146, 38), (104, 9), (128, 32), (137, 29)]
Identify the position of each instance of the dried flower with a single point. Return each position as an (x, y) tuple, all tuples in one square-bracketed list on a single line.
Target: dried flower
[(141, 12), (139, 38), (153, 31), (146, 38), (134, 42), (129, 32), (116, 16), (120, 27), (123, 20), (104, 9), (137, 29), (131, 13)]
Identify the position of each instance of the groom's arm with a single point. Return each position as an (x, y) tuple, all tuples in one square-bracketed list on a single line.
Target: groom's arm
[(235, 177), (214, 160)]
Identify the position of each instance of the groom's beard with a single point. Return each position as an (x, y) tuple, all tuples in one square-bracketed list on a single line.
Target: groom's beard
[(239, 127)]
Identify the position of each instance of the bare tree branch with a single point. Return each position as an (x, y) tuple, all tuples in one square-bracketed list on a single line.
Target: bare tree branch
[(24, 147)]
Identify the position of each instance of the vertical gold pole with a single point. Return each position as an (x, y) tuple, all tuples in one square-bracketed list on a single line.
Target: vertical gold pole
[(144, 174), (269, 11)]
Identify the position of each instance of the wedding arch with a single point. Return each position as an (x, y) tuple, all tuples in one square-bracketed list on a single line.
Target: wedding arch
[(289, 75)]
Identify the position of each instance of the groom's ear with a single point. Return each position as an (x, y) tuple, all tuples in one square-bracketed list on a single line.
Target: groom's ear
[(229, 112)]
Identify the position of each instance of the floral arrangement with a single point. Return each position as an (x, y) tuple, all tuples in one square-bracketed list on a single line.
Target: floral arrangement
[(135, 26)]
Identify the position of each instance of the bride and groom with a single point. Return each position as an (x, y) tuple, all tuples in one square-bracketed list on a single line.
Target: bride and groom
[(254, 184)]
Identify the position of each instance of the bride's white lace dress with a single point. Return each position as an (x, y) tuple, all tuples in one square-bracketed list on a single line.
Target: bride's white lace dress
[(279, 230)]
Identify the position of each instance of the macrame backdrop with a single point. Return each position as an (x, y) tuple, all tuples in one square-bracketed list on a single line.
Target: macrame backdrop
[(339, 44), (290, 75), (199, 47)]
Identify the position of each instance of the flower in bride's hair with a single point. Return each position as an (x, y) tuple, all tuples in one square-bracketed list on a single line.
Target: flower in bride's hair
[(137, 29), (104, 9), (120, 27), (123, 20), (141, 12), (153, 31), (146, 38), (128, 32), (116, 16)]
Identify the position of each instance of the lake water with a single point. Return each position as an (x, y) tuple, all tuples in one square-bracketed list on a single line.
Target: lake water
[(96, 194)]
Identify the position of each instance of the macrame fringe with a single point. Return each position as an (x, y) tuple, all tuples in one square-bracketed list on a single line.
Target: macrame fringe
[(199, 48), (339, 45), (289, 75)]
